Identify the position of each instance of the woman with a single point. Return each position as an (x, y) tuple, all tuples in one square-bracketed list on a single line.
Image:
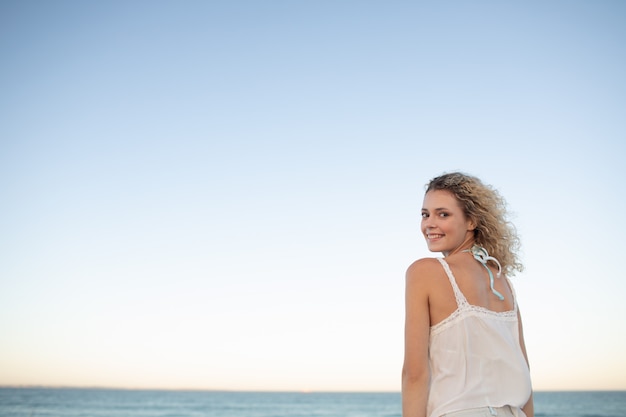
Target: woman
[(464, 346)]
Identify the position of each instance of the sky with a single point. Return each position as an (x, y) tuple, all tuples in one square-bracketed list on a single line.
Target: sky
[(226, 195)]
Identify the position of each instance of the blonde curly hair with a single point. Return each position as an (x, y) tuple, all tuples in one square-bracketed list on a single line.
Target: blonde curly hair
[(483, 205)]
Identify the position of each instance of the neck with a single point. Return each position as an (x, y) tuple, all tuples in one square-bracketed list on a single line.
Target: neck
[(467, 244)]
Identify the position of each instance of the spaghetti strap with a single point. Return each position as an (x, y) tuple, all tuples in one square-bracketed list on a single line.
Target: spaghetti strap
[(461, 301)]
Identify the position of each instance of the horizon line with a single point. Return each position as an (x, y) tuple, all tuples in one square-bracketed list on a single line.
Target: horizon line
[(259, 391)]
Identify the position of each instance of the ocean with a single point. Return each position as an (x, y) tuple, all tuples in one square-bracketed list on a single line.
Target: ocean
[(70, 402)]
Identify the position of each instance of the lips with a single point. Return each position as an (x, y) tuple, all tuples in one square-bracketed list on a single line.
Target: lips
[(434, 236)]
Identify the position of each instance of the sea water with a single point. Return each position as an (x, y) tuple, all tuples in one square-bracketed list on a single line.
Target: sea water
[(62, 402)]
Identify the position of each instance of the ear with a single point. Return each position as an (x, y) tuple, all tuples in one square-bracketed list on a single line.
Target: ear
[(471, 225)]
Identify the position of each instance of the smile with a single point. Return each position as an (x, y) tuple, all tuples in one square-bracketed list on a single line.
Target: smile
[(433, 236)]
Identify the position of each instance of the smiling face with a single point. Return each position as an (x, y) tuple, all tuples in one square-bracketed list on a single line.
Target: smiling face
[(444, 224)]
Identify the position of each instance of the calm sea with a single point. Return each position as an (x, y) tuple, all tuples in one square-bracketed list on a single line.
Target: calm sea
[(48, 402)]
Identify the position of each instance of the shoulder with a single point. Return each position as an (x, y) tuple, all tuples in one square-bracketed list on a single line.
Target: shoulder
[(421, 280), (423, 269)]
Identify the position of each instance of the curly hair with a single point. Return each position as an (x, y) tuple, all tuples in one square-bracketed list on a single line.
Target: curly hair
[(483, 205)]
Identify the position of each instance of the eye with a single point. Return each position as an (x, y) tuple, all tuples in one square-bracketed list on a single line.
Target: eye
[(424, 215), (443, 214)]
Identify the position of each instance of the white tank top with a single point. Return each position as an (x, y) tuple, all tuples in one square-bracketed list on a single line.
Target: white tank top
[(476, 359)]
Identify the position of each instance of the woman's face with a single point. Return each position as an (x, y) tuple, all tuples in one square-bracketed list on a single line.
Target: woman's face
[(444, 225)]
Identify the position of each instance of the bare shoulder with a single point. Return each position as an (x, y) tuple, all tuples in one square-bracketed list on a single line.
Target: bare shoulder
[(424, 269), (421, 280)]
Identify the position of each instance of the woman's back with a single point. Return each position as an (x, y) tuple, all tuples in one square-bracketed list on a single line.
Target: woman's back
[(473, 280), (474, 352)]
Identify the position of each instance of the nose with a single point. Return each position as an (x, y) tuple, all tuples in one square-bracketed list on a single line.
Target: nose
[(427, 222)]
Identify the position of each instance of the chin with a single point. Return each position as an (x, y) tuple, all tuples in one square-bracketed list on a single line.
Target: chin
[(435, 248)]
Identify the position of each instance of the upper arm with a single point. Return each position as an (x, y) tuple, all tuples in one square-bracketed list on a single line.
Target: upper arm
[(417, 317)]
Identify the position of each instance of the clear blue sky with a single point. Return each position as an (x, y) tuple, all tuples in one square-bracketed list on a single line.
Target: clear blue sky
[(226, 195)]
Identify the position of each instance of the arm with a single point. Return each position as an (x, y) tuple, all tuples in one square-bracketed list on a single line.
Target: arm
[(415, 372), (529, 408)]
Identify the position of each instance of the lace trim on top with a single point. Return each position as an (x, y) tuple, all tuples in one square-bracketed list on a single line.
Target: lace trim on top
[(465, 309)]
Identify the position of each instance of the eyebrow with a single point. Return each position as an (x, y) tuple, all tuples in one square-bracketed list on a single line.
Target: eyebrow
[(437, 209)]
